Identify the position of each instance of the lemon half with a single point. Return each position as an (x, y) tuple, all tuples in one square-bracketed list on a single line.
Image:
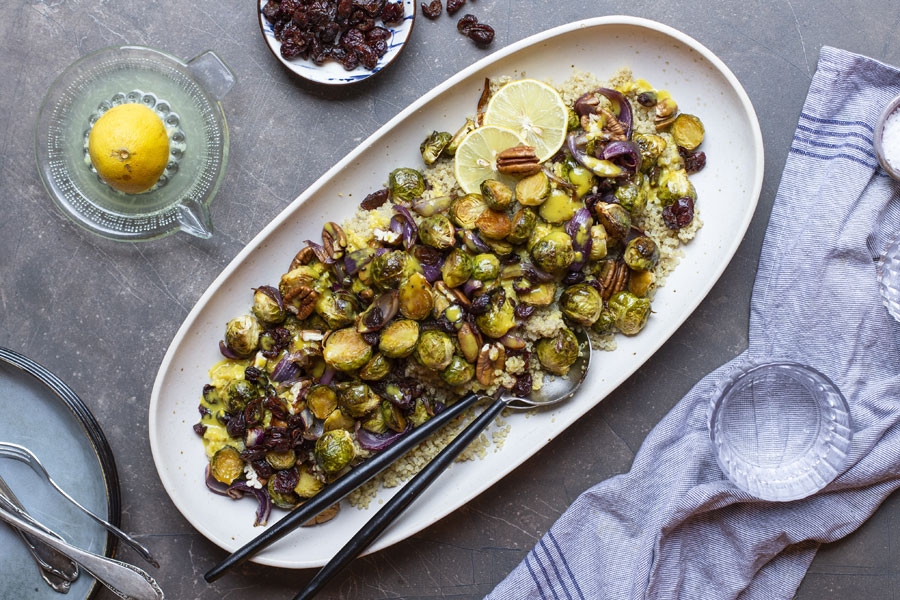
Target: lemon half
[(129, 147), (532, 109), (476, 157)]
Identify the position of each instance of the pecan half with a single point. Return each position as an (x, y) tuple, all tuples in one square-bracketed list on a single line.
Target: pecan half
[(491, 358), (334, 240), (305, 299), (518, 160), (612, 278), (304, 257), (615, 129), (326, 515)]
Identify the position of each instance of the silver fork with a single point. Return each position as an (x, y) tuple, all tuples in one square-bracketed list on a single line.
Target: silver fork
[(23, 454)]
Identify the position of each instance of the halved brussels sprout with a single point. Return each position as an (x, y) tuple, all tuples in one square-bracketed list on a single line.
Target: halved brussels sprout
[(631, 197), (458, 372), (338, 420), (226, 465), (334, 450), (357, 399), (238, 394), (434, 350), (457, 268), (541, 230), (606, 323), (652, 146), (539, 295), (674, 184), (281, 460), (641, 253), (581, 303), (399, 338), (434, 145), (393, 416), (376, 369), (558, 353), (285, 500), (457, 138), (493, 225), (242, 335), (598, 242), (465, 210), (346, 350), (559, 207), (337, 308), (687, 130), (523, 223), (485, 267), (416, 297), (554, 253), (375, 423), (581, 178), (388, 270), (500, 316), (615, 218), (308, 485), (640, 282), (419, 414), (266, 308), (406, 184), (499, 247), (321, 400), (533, 190), (438, 232), (496, 194), (629, 311)]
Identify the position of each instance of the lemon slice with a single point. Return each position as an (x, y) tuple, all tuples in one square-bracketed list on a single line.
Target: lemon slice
[(534, 110), (476, 157)]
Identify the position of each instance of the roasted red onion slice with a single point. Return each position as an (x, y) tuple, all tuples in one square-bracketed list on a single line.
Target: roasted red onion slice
[(579, 229), (285, 370), (264, 508), (409, 228), (228, 352), (254, 437), (625, 154), (320, 252), (327, 376), (375, 442), (432, 206)]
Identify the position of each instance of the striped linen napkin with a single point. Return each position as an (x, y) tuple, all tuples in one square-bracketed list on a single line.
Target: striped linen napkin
[(674, 527)]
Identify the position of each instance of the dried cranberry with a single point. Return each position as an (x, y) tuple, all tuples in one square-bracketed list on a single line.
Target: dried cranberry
[(236, 426), (432, 10), (392, 12), (366, 25), (679, 214), (200, 429), (344, 8), (371, 337), (465, 23), (204, 412), (329, 32), (573, 277), (453, 6), (480, 305), (367, 56), (523, 386), (272, 11), (524, 311), (481, 34), (350, 61), (253, 454), (375, 199), (253, 374), (290, 49), (352, 39), (380, 47), (373, 8), (263, 469), (289, 6), (378, 33), (693, 161)]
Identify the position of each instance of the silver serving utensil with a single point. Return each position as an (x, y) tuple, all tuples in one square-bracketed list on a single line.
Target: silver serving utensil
[(554, 391), (56, 570), (23, 454), (124, 580)]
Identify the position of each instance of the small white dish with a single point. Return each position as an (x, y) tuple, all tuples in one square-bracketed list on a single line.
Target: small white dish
[(331, 72), (878, 139)]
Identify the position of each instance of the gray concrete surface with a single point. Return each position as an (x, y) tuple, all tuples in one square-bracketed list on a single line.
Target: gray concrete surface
[(101, 314)]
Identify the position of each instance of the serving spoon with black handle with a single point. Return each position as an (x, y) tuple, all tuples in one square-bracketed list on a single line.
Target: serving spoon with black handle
[(554, 391), (360, 474)]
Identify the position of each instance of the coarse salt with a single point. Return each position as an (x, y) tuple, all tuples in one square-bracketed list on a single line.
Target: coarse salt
[(890, 139)]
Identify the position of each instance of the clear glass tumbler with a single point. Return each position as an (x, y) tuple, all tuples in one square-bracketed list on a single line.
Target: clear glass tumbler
[(781, 430)]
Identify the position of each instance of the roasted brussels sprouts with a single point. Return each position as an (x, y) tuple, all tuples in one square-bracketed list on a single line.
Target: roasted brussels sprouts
[(496, 194), (393, 416), (399, 338), (539, 295), (375, 422), (266, 306), (464, 211), (304, 275), (687, 130), (434, 145), (598, 242), (376, 369), (357, 399), (282, 499), (523, 223), (493, 225), (499, 247), (416, 297), (641, 253), (629, 311), (346, 350), (337, 308), (238, 394), (419, 414), (533, 190), (606, 323), (458, 372), (321, 400), (242, 335), (581, 303), (226, 465), (281, 460), (434, 350), (308, 485), (559, 207), (631, 197), (581, 178), (541, 230), (554, 253), (406, 184), (485, 267), (457, 268), (338, 420), (558, 353), (334, 450), (674, 184), (438, 232), (388, 270), (652, 146), (640, 282), (615, 218), (457, 138), (500, 316)]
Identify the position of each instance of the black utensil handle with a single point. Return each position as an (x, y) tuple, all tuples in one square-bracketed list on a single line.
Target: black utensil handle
[(396, 505), (341, 488)]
